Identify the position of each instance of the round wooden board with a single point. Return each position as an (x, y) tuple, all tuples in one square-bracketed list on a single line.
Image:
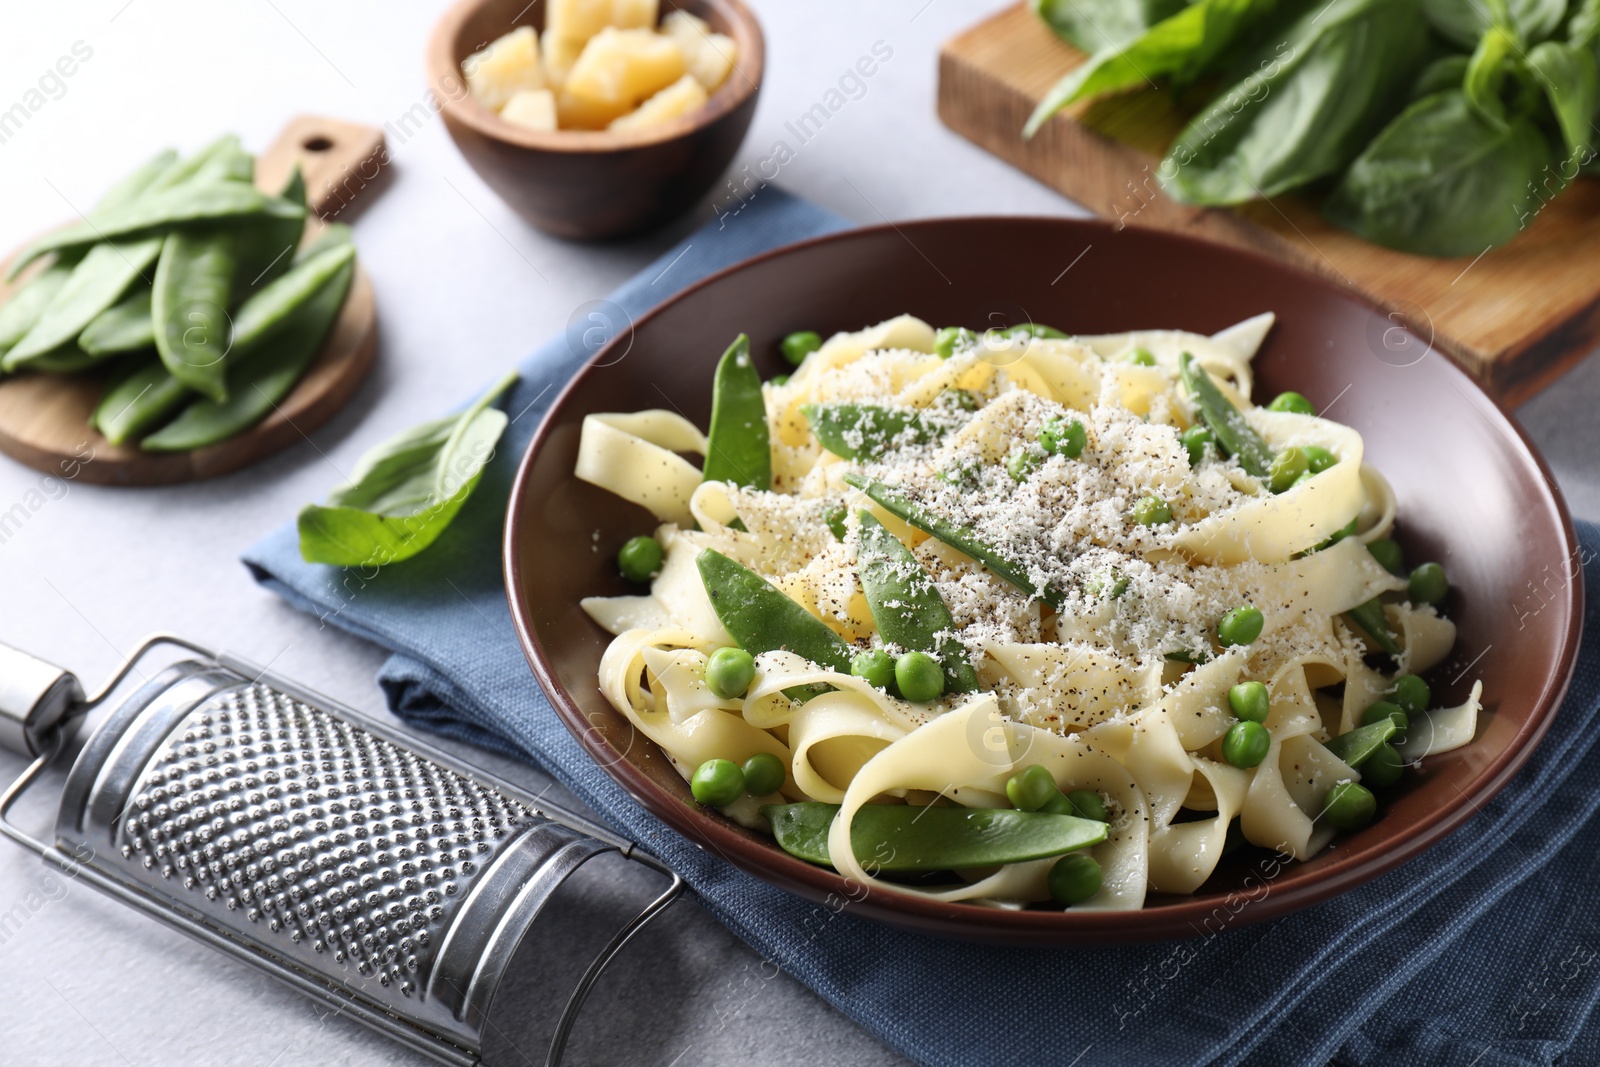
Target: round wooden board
[(44, 418)]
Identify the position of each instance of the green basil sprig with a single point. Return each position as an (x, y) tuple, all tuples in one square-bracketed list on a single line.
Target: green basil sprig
[(1313, 99), (404, 493), (1184, 46), (1095, 24), (1463, 22), (1442, 181)]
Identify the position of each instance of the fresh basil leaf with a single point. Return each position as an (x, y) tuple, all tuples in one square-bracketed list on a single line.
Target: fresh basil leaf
[(1571, 84), (1446, 72), (1583, 29), (1486, 74), (1440, 181), (1462, 22), (1183, 47), (1095, 24), (404, 493), (1313, 99)]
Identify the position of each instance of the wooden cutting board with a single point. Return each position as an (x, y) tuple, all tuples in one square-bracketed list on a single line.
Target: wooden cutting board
[(44, 418), (1515, 318)]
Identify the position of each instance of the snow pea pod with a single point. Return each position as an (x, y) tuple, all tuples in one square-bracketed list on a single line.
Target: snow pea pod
[(193, 289), (267, 248), (271, 307), (1370, 617), (134, 184), (27, 303), (144, 399), (1227, 423), (762, 619), (903, 837), (125, 326), (64, 360), (220, 161), (956, 535), (178, 206), (740, 450), (866, 431), (907, 606), (1357, 746), (258, 384), (96, 283)]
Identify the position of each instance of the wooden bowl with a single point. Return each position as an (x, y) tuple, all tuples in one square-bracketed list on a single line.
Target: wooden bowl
[(594, 184), (1472, 492)]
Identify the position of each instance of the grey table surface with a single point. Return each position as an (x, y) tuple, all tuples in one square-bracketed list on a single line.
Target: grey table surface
[(464, 290)]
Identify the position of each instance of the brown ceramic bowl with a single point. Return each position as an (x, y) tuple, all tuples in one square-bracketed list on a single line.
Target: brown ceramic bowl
[(593, 184), (1473, 494)]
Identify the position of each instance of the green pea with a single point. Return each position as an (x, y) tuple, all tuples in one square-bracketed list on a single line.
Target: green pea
[(1022, 464), (1411, 693), (1063, 439), (1074, 879), (1241, 626), (1031, 788), (1088, 805), (875, 667), (1250, 701), (1195, 441), (800, 344), (1318, 459), (1287, 467), (1141, 357), (1388, 555), (1428, 584), (1112, 585), (764, 774), (729, 672), (965, 476), (1060, 805), (1306, 477), (1347, 530), (778, 380), (919, 677), (1349, 806), (1385, 709), (1292, 401), (962, 399), (1151, 511), (1383, 767), (950, 338), (717, 783), (1246, 744), (639, 559)]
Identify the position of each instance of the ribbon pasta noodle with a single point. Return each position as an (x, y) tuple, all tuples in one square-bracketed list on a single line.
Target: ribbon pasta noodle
[(1120, 611)]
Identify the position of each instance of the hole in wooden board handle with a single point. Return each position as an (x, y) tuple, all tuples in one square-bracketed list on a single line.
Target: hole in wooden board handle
[(316, 143)]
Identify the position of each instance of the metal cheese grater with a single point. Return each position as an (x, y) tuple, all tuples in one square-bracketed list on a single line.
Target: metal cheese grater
[(376, 875)]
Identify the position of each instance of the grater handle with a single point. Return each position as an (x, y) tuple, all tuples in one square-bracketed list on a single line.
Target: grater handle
[(35, 695)]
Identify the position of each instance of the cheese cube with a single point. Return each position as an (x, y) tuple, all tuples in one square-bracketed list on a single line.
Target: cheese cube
[(620, 68), (579, 20), (560, 53), (635, 14), (533, 108), (709, 55), (581, 113), (679, 98), (505, 67)]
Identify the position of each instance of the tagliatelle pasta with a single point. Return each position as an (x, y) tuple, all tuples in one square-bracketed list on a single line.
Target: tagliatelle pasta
[(976, 555)]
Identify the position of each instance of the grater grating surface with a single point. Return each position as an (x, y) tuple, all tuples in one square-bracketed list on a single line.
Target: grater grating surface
[(354, 864), (317, 830)]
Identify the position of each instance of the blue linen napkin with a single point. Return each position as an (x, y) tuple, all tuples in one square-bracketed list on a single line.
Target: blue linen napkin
[(1483, 951)]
